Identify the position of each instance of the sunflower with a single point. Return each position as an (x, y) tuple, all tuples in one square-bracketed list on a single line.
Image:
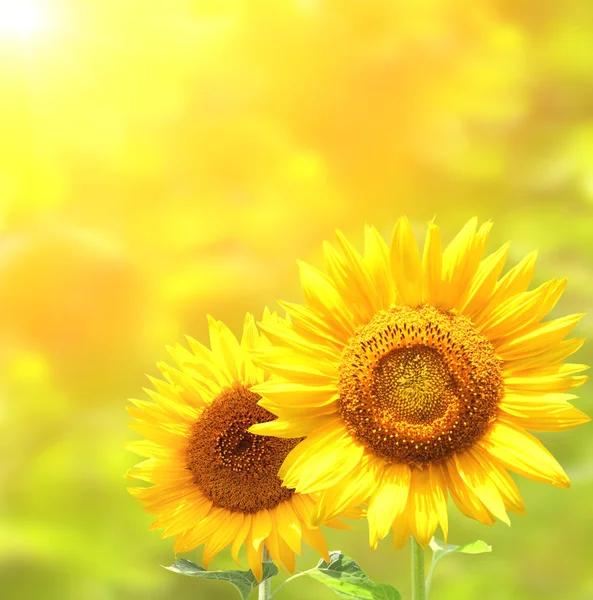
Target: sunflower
[(214, 482), (415, 378)]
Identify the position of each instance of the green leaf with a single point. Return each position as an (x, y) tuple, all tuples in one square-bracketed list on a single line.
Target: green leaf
[(244, 581), (344, 577), (440, 550)]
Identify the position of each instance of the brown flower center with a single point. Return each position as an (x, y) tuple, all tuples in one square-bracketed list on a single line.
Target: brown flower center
[(418, 384), (236, 469)]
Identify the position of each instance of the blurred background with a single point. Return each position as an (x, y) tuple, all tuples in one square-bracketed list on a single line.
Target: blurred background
[(160, 160)]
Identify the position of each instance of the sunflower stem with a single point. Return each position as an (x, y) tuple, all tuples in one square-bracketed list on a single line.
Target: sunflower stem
[(265, 587), (418, 585)]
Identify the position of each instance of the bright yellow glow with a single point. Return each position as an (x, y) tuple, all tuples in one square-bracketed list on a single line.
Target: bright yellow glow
[(20, 19)]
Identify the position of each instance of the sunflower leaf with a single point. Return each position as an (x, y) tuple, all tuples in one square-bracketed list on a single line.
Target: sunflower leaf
[(243, 581), (346, 579), (439, 550)]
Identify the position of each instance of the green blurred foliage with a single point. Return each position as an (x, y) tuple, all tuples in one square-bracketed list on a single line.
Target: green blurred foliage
[(164, 160)]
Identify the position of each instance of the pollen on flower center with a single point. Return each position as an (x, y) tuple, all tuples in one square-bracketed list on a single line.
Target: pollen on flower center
[(236, 469), (418, 384), (413, 384)]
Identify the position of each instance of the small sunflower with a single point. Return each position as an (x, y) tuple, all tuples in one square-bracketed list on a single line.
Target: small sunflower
[(214, 482), (414, 378)]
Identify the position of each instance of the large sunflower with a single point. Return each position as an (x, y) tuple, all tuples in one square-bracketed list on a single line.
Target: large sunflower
[(215, 483), (413, 378)]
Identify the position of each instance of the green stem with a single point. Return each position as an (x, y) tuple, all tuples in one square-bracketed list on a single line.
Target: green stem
[(418, 586), (265, 587)]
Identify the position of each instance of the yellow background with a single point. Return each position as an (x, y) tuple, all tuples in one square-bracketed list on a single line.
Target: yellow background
[(161, 160)]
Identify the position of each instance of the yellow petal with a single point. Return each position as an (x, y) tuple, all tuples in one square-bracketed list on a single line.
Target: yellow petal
[(515, 313), (323, 298), (310, 325), (187, 513), (461, 259), (477, 480), (286, 554), (301, 469), (225, 348), (401, 532), (432, 266), (349, 492), (282, 393), (353, 279), (315, 539), (550, 412), (484, 281), (438, 485), (250, 337), (156, 494), (206, 367), (272, 542), (514, 282), (240, 537), (377, 259), (406, 267), (421, 511), (465, 499), (294, 425), (291, 365), (289, 526), (506, 486), (388, 502), (186, 541), (147, 448), (348, 284), (520, 452), (539, 338), (261, 525), (539, 384), (552, 355), (222, 536), (202, 531), (248, 372), (284, 335), (254, 556)]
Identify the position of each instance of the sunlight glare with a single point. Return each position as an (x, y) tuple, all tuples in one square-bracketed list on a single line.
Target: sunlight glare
[(20, 19)]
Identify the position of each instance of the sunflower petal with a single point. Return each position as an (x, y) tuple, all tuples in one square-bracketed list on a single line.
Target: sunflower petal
[(401, 532), (520, 452), (334, 501), (505, 485), (322, 297), (240, 537), (539, 338), (353, 278), (388, 502), (377, 260), (286, 554), (422, 509), (300, 468), (484, 281), (550, 356), (289, 526), (514, 282), (476, 478), (432, 266), (461, 259), (222, 536), (406, 266)]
